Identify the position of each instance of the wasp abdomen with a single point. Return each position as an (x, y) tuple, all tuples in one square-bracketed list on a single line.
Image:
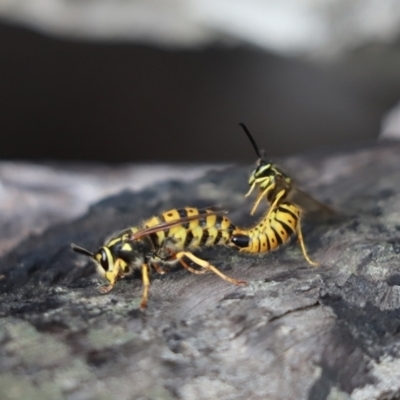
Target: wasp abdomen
[(269, 233), (207, 230)]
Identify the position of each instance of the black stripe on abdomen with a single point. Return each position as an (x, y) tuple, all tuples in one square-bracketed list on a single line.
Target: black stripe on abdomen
[(286, 227), (268, 243), (204, 237), (285, 210), (218, 237), (188, 240), (258, 244), (278, 238), (203, 222), (218, 221), (182, 212)]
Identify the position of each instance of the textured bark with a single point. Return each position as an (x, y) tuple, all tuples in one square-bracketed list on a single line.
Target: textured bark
[(295, 332)]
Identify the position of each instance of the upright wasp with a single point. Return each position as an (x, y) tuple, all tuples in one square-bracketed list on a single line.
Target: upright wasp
[(286, 205), (159, 241)]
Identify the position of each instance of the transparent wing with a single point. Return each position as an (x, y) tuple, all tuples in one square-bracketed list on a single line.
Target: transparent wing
[(312, 208)]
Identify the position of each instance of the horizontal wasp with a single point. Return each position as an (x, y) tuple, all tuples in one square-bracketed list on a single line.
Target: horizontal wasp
[(159, 241), (286, 205)]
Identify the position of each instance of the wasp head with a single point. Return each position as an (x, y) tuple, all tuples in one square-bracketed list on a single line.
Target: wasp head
[(264, 173), (103, 258)]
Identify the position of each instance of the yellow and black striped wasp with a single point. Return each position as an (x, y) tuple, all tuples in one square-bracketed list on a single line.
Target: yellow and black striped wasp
[(286, 205), (274, 230), (159, 241)]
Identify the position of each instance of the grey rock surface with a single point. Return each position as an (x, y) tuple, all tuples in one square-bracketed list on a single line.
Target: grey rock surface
[(294, 332)]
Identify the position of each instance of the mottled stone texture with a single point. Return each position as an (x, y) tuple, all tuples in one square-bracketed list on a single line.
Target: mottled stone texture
[(295, 332)]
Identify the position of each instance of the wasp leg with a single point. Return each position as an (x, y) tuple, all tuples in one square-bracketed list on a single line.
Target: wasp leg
[(146, 284), (112, 277), (159, 269), (190, 269), (303, 247), (183, 263), (105, 289), (275, 203), (263, 194), (206, 265), (256, 204), (250, 190)]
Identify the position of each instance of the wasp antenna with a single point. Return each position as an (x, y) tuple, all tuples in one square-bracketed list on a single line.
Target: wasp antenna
[(81, 250), (253, 142)]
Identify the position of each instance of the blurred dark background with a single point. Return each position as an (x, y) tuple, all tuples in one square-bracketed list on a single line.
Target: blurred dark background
[(64, 98)]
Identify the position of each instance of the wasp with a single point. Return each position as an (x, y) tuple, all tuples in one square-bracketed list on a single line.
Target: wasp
[(272, 231), (160, 241), (286, 205)]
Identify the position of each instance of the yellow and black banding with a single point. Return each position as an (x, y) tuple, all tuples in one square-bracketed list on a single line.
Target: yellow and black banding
[(194, 228), (269, 233), (160, 240)]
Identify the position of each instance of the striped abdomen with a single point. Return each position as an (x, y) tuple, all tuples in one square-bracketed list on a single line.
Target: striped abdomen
[(204, 228), (269, 234)]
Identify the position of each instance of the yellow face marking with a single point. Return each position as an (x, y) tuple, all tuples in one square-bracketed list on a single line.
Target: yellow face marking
[(262, 169)]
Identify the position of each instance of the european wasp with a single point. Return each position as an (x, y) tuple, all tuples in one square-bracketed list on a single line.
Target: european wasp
[(286, 206), (272, 231), (159, 241)]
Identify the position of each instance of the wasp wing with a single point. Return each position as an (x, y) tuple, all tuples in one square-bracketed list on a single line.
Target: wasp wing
[(313, 208), (163, 226)]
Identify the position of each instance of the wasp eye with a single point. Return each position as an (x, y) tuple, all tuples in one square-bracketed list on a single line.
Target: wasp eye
[(259, 170), (264, 169), (104, 262)]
